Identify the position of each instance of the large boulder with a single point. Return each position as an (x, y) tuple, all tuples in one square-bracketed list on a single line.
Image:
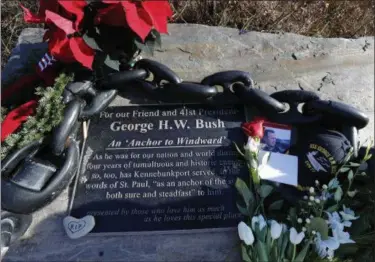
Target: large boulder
[(337, 69)]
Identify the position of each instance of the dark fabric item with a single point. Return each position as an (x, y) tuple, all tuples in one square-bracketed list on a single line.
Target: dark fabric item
[(320, 153)]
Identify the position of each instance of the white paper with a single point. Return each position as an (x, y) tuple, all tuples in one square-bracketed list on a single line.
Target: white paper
[(278, 167)]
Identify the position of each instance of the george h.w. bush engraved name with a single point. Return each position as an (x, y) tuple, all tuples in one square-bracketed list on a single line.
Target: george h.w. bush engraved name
[(165, 125)]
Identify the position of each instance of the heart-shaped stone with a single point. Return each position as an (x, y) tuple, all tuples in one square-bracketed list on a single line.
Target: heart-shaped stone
[(76, 228)]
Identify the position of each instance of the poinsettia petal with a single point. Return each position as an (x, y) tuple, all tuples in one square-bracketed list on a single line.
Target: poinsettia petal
[(110, 1), (82, 52), (46, 35), (159, 11), (145, 16), (113, 15), (56, 43), (76, 8), (30, 17), (61, 22), (139, 24), (50, 5)]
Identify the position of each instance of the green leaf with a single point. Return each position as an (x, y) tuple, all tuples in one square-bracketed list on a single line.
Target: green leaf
[(274, 253), (301, 255), (147, 47), (344, 169), (260, 234), (268, 241), (352, 193), (261, 251), (284, 244), (319, 225), (245, 192), (289, 251), (352, 164), (338, 194), (238, 149), (350, 175), (277, 205), (368, 157), (243, 210), (265, 190), (91, 42), (245, 255), (332, 208), (114, 64), (157, 37), (369, 147)]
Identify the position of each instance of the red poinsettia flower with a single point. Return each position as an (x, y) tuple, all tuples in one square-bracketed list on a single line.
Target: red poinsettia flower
[(62, 43), (254, 128), (70, 10), (44, 5), (75, 8), (140, 16)]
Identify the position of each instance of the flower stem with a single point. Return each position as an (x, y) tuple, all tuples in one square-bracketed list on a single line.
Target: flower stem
[(294, 252), (350, 184)]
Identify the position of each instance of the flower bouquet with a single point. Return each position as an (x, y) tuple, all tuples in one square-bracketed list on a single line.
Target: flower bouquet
[(318, 226), (116, 31)]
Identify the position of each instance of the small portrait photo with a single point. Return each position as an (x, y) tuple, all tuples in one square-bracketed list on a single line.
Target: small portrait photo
[(276, 137)]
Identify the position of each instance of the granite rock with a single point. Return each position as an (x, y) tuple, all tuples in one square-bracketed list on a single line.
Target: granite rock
[(336, 68)]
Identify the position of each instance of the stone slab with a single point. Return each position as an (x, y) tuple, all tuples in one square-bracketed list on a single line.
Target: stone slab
[(338, 69)]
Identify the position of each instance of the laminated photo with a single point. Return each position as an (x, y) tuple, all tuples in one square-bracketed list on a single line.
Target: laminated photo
[(276, 138)]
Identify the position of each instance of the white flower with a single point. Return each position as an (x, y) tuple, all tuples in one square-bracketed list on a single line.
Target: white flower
[(260, 220), (276, 229), (326, 195), (339, 234), (334, 183), (308, 220), (252, 144), (317, 182), (299, 220), (304, 229), (325, 187), (338, 228), (325, 248), (317, 200), (312, 198), (310, 204), (313, 232), (305, 197), (311, 216), (333, 218), (312, 190), (294, 237), (347, 214), (245, 233)]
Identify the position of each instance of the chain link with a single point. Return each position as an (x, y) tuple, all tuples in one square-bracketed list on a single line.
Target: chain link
[(24, 193)]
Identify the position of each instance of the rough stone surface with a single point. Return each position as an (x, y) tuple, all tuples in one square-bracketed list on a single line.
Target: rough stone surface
[(337, 69)]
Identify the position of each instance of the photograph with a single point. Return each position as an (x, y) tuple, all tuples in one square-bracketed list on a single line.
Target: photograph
[(276, 138)]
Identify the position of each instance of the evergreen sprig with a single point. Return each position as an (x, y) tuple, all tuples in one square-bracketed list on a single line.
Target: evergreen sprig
[(49, 114)]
